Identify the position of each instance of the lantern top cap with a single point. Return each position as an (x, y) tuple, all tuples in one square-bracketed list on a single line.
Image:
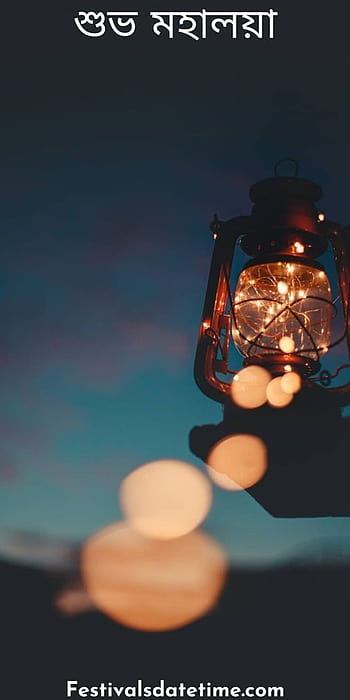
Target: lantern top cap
[(286, 188)]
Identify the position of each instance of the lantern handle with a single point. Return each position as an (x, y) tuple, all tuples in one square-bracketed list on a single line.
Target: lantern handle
[(286, 160)]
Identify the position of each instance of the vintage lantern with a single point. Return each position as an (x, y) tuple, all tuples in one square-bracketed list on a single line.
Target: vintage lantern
[(287, 309)]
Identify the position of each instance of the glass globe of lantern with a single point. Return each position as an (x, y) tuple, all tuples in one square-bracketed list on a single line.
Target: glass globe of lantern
[(282, 305)]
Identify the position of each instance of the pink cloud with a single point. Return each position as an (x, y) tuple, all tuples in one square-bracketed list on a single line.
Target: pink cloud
[(110, 307), (14, 431), (8, 471)]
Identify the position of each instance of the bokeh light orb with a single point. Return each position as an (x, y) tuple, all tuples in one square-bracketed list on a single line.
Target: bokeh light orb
[(73, 600), (248, 388), (275, 394), (287, 344), (165, 499), (149, 584), (291, 382), (222, 480), (282, 287), (242, 459)]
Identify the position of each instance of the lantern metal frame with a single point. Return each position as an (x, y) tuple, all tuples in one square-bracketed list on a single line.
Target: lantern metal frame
[(284, 207)]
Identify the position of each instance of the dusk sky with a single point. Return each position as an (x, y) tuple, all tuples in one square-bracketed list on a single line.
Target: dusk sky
[(115, 155)]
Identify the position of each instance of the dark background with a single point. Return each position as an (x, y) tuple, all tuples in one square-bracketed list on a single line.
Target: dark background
[(287, 627)]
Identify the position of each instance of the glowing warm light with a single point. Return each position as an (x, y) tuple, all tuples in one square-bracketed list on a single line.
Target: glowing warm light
[(165, 499), (151, 585), (205, 324), (287, 344), (321, 217), (281, 299), (291, 383), (248, 389), (72, 601), (215, 235), (275, 394), (282, 287), (222, 480), (240, 461), (287, 368), (299, 247)]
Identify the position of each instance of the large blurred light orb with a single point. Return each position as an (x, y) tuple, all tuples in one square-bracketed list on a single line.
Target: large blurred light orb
[(291, 382), (276, 396), (242, 459), (152, 585), (165, 499), (248, 388)]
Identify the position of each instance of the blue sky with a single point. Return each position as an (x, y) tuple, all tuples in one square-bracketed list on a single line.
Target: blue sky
[(101, 317)]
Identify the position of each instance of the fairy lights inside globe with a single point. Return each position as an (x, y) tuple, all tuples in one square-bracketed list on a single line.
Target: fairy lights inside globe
[(279, 300), (287, 344)]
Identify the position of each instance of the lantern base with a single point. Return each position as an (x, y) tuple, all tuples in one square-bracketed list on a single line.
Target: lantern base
[(308, 446), (279, 363)]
